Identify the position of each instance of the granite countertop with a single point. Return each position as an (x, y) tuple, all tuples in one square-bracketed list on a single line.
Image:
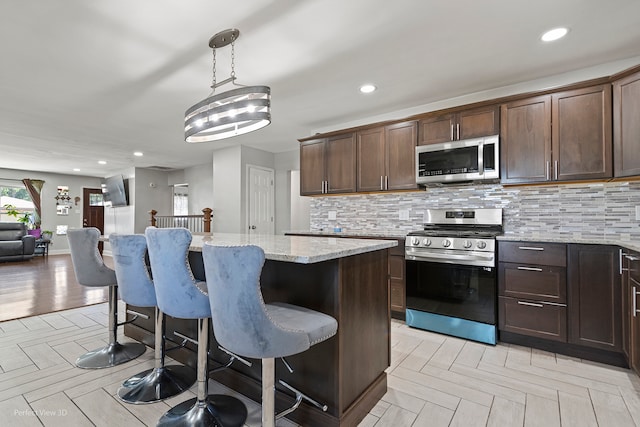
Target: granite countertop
[(384, 234), (554, 238), (298, 249)]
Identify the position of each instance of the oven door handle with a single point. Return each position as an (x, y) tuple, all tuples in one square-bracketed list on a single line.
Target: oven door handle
[(434, 256)]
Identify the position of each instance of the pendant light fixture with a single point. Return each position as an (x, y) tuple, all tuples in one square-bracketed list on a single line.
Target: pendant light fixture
[(231, 113)]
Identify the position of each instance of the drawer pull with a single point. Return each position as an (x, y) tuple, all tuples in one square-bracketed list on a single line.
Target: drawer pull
[(530, 248), (530, 304), (634, 296), (632, 258), (530, 268)]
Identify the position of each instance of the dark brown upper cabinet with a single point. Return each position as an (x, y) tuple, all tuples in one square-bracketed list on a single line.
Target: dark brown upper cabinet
[(626, 126), (565, 136), (465, 124), (386, 157), (328, 165), (525, 140)]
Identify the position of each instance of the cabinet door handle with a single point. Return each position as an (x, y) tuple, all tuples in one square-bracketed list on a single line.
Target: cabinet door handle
[(531, 304), (546, 170), (634, 296), (458, 131), (631, 258), (530, 268), (381, 184), (451, 131), (386, 182), (555, 170), (530, 248)]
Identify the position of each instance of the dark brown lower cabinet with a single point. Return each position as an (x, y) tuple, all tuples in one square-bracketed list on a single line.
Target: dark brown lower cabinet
[(568, 299), (631, 308), (594, 296)]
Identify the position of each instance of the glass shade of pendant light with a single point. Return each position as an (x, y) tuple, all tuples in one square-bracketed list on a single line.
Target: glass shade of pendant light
[(231, 113)]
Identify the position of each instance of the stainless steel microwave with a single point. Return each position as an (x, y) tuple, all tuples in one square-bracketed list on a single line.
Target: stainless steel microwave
[(467, 160)]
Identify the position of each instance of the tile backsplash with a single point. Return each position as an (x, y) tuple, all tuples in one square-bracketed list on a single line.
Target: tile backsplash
[(588, 210)]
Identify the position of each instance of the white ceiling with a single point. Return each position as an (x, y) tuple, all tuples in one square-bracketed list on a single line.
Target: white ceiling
[(87, 80)]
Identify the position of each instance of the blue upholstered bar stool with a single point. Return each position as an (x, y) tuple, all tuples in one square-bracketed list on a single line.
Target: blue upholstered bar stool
[(136, 288), (245, 325), (180, 295), (90, 271)]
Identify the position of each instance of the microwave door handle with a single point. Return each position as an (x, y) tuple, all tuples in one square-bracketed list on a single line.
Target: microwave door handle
[(481, 158)]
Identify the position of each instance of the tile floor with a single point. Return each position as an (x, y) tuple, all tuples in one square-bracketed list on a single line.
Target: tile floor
[(434, 380)]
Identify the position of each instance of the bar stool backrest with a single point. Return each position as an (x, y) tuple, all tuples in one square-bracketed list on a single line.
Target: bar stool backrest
[(240, 319), (134, 283), (178, 293), (87, 263)]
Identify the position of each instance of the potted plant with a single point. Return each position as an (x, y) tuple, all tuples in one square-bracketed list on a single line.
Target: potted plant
[(26, 218), (47, 234)]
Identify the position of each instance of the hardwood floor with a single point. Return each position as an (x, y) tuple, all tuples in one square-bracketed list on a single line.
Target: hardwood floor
[(43, 285), (434, 380)]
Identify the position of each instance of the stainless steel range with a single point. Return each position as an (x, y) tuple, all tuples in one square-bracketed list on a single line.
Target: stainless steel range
[(451, 276)]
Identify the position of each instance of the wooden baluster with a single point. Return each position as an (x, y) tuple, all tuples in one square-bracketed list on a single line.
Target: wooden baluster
[(207, 219)]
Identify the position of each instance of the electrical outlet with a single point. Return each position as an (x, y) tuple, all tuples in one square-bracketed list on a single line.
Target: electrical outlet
[(637, 213), (332, 215), (404, 215)]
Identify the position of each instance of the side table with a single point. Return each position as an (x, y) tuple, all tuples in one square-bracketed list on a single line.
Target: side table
[(42, 247)]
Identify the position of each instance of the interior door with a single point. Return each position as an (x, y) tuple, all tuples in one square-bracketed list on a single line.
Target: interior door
[(93, 210), (261, 200)]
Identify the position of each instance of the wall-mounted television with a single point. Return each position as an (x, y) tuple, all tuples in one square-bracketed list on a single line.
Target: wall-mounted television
[(115, 191)]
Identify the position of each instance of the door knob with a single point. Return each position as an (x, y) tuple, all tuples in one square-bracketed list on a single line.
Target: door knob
[(253, 227)]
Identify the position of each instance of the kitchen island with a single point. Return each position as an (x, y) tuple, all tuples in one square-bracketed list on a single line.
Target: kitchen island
[(344, 278)]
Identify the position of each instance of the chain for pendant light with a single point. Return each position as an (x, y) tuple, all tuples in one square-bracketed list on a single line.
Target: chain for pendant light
[(233, 58), (213, 80)]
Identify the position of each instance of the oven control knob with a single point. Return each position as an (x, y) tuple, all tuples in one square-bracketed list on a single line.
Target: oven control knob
[(467, 244), (446, 243), (415, 241), (426, 242), (481, 244)]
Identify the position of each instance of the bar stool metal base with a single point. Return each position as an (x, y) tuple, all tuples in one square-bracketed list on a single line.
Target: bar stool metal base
[(218, 410), (111, 355), (157, 384)]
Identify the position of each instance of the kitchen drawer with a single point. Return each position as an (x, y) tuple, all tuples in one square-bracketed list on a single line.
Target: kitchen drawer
[(542, 320), (396, 267), (533, 253), (537, 282), (397, 250)]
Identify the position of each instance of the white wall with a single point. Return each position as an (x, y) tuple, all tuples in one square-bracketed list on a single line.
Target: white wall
[(152, 191), (227, 190), (200, 180), (49, 217), (290, 206)]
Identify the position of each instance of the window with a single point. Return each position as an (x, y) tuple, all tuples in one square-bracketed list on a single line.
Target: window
[(181, 199), (14, 194)]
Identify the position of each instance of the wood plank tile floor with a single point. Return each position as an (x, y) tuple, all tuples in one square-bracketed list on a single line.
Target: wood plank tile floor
[(434, 380)]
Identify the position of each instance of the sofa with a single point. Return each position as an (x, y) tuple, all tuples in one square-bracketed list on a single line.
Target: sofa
[(15, 243)]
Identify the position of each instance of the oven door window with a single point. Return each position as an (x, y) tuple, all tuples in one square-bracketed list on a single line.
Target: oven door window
[(452, 290)]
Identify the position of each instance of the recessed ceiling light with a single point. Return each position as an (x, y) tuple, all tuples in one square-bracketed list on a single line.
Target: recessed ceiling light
[(138, 153), (76, 170), (555, 34), (102, 162), (368, 88)]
